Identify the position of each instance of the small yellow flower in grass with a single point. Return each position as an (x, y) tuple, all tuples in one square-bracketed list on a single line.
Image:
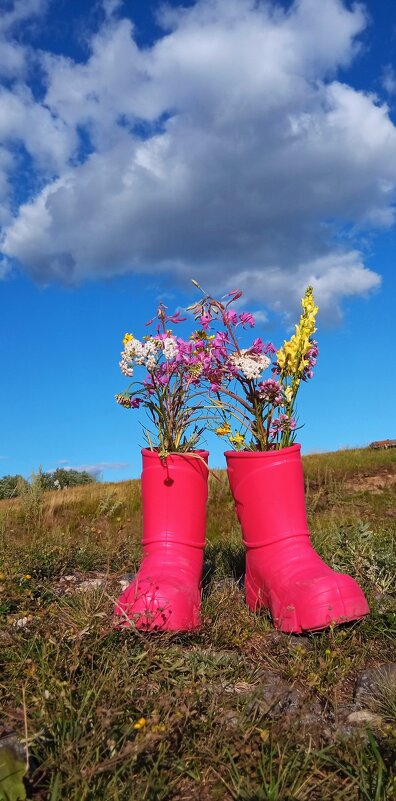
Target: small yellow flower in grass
[(127, 338), (27, 577), (140, 723), (264, 735), (222, 431)]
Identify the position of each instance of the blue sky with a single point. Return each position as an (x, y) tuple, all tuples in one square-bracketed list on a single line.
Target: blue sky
[(241, 143)]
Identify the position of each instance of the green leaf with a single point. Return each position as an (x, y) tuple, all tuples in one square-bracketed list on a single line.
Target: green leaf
[(12, 771)]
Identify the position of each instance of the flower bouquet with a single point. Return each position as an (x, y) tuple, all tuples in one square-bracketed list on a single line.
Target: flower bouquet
[(170, 390), (283, 572), (186, 383), (263, 408), (165, 593)]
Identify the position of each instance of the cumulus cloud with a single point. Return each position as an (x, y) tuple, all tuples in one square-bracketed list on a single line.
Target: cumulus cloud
[(227, 150), (13, 56)]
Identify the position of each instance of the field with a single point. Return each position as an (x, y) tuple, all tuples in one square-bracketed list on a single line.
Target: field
[(236, 711)]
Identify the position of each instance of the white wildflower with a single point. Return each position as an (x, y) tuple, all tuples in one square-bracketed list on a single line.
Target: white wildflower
[(139, 353), (151, 347), (169, 348), (151, 363), (134, 351), (250, 364), (126, 366)]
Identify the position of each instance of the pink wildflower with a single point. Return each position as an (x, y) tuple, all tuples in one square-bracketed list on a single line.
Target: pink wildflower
[(205, 320), (247, 319), (231, 317), (282, 423), (258, 346), (234, 294), (271, 391)]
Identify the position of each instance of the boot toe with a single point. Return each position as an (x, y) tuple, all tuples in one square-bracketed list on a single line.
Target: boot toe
[(319, 602), (152, 604)]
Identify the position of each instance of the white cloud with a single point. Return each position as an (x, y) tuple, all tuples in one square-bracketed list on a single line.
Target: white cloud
[(333, 277), (20, 11), (389, 79), (95, 469), (110, 7), (14, 56), (5, 268), (227, 150), (46, 138)]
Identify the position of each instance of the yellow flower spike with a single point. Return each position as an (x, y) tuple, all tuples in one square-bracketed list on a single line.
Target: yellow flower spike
[(237, 439), (288, 393), (291, 357), (127, 338), (223, 431)]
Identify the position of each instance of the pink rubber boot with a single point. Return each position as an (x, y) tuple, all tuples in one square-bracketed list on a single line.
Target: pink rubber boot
[(165, 593), (283, 572)]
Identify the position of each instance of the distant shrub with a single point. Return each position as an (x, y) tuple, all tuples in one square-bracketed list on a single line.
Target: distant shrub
[(65, 478), (13, 486)]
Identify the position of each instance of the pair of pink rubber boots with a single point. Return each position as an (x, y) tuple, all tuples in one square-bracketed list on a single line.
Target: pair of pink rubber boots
[(283, 572)]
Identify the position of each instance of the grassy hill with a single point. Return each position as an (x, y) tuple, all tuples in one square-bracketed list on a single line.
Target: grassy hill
[(236, 711)]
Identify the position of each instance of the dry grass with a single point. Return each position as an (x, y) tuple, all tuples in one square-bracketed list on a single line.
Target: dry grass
[(211, 730)]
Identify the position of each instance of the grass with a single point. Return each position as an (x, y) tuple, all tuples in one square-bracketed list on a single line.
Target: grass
[(235, 711)]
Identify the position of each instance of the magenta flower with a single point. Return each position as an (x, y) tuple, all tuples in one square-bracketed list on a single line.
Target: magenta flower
[(205, 320), (311, 355), (257, 346), (231, 316), (269, 349), (234, 294), (176, 318), (247, 319), (271, 391), (219, 344), (281, 424)]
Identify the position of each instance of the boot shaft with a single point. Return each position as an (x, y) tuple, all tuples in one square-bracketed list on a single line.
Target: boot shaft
[(174, 496), (268, 490)]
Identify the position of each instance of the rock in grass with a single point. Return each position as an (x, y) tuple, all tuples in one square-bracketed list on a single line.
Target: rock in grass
[(363, 717)]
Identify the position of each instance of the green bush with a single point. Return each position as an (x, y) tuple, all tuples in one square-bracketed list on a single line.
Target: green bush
[(66, 478), (13, 486)]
